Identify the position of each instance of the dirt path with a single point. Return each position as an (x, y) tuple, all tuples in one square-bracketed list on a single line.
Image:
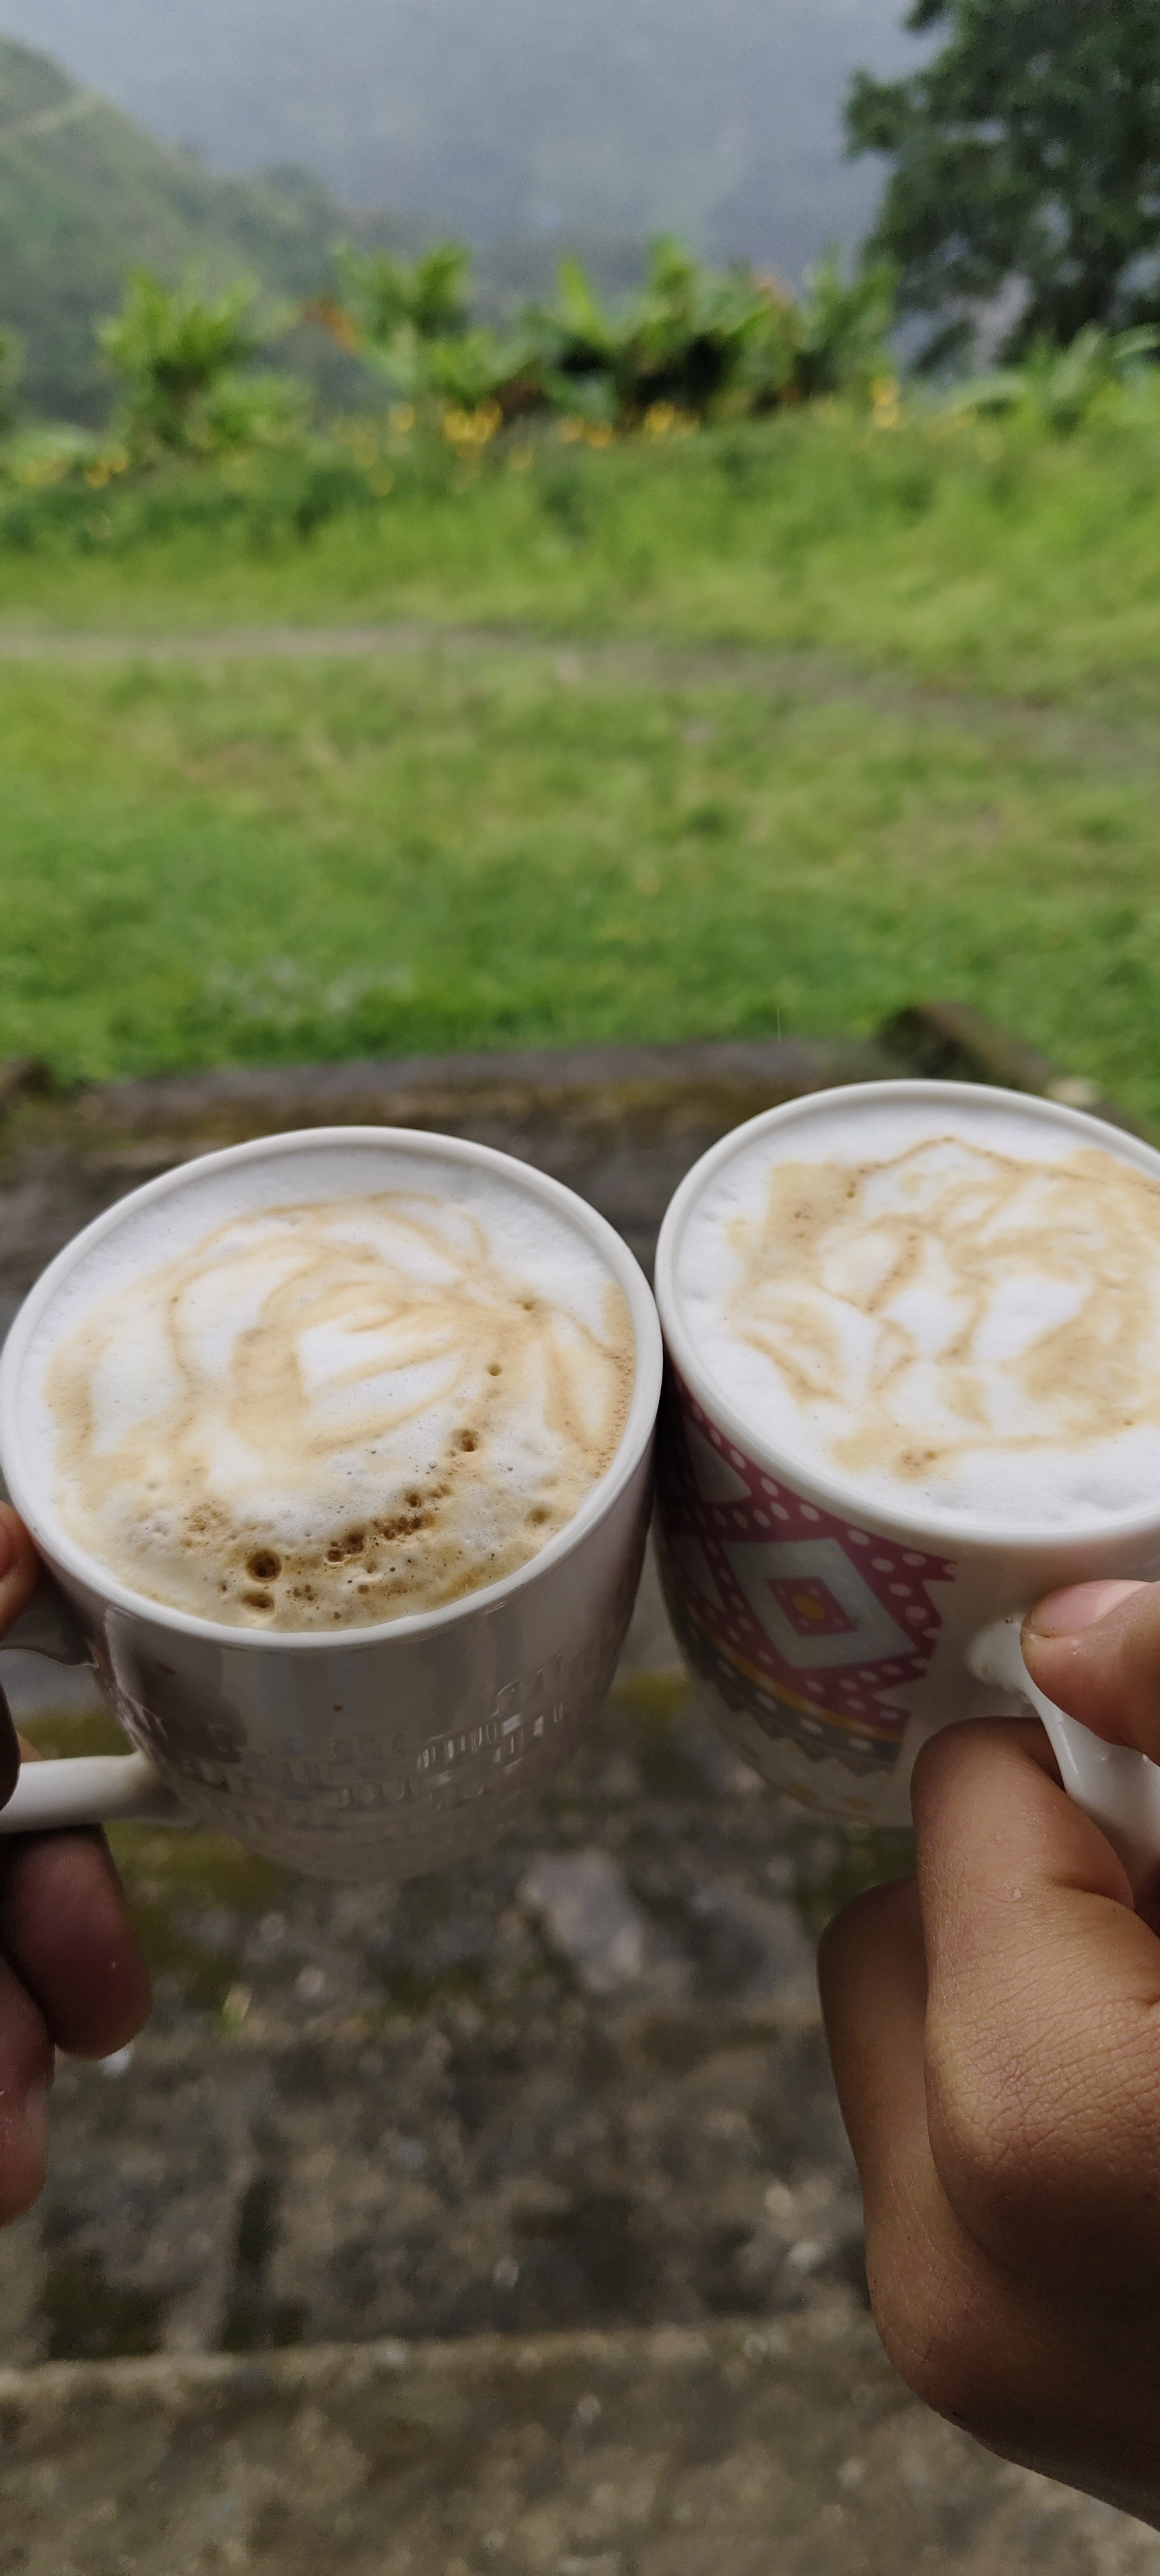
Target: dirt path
[(274, 643), (1102, 726)]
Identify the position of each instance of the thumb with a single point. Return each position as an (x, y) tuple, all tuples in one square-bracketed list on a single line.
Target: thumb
[(19, 1567), (9, 1753), (18, 1571), (1095, 1650)]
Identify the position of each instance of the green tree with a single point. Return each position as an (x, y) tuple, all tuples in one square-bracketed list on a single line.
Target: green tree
[(708, 343), (1059, 389), (398, 312), (694, 342), (684, 340), (1025, 155), (180, 356), (387, 295), (410, 320), (843, 330)]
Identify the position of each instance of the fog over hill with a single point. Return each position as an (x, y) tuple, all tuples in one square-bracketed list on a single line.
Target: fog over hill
[(718, 118), (85, 193)]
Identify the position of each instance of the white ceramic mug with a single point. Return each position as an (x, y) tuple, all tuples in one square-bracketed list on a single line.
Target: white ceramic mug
[(381, 1752), (834, 1637)]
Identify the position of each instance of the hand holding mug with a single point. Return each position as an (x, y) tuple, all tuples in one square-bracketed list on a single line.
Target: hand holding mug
[(995, 2031), (71, 1972)]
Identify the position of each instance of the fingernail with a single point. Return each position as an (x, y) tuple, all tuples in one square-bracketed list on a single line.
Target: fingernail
[(1082, 1605)]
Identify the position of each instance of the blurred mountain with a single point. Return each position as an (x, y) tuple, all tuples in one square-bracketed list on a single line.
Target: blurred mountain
[(720, 119), (85, 195)]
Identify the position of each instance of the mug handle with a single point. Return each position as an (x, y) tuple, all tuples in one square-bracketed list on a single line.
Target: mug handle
[(85, 1788), (1118, 1788)]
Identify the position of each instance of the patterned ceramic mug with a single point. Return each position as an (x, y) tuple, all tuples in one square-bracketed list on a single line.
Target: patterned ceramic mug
[(833, 1637)]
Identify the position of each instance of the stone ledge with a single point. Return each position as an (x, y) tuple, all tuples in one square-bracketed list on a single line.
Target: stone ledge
[(653, 1087), (696, 1075), (667, 2453), (954, 1043), (620, 1124)]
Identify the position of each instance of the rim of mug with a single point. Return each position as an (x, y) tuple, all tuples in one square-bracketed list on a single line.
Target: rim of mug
[(62, 1551), (930, 1527)]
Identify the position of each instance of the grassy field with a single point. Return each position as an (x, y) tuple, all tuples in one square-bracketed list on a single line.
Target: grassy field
[(968, 554), (933, 768)]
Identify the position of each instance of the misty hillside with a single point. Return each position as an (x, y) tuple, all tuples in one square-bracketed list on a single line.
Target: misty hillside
[(86, 195), (718, 118)]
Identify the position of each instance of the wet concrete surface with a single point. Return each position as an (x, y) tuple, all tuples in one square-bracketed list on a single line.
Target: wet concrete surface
[(784, 2450), (578, 2082), (573, 2097)]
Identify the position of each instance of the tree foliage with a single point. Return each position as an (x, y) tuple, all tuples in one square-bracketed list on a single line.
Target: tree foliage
[(1025, 155), (410, 320), (689, 339), (1059, 389), (181, 357), (387, 295), (695, 341)]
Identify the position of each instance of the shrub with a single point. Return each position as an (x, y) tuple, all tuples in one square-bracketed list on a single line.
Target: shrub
[(1058, 389)]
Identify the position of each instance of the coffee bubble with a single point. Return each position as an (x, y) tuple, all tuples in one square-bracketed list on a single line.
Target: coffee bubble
[(957, 1316), (341, 1411)]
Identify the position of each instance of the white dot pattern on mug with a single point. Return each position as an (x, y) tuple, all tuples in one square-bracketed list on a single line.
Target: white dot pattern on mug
[(782, 1606)]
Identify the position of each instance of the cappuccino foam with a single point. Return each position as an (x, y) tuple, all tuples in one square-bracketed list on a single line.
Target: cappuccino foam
[(340, 1410), (953, 1311)]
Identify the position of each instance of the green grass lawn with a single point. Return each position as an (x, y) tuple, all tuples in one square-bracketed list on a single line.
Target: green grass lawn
[(974, 556), (950, 781)]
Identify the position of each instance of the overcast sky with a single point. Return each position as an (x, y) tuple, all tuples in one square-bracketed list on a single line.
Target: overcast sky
[(719, 118)]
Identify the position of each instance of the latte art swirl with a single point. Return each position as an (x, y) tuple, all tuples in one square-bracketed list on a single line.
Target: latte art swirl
[(950, 1311), (338, 1412), (954, 1301)]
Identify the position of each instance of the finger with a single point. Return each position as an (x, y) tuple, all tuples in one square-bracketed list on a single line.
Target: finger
[(65, 1927), (64, 1923), (25, 2081), (872, 1980), (923, 2273), (1042, 2030), (999, 2356), (19, 1567), (9, 1753), (1095, 1650)]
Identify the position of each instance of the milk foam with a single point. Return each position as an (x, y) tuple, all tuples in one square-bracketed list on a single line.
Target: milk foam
[(333, 1410), (954, 1311)]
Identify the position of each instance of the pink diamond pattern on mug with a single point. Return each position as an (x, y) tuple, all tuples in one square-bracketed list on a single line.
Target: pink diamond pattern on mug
[(814, 1603), (809, 1623), (809, 1605)]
